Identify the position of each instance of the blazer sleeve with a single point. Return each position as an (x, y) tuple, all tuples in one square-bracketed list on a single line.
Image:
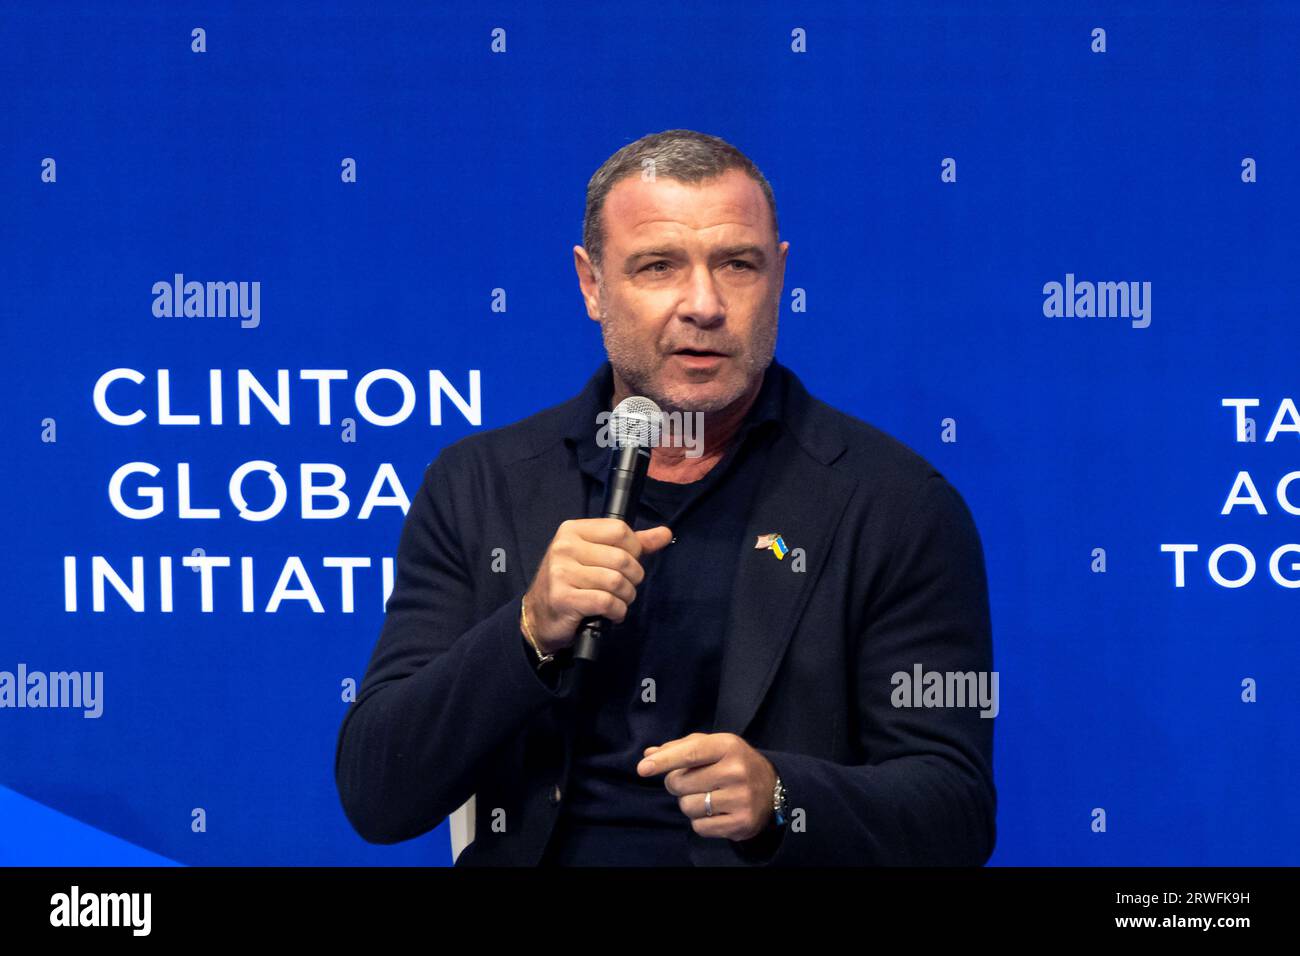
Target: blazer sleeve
[(442, 692), (926, 795)]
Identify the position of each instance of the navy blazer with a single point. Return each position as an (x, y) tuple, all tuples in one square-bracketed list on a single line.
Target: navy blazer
[(890, 575)]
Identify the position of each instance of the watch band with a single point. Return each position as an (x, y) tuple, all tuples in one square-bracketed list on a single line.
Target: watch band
[(780, 810)]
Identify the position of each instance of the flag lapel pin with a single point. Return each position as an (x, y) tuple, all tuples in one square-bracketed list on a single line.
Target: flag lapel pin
[(772, 542)]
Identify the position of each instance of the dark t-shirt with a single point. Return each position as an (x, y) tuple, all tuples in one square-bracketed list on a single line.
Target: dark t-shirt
[(658, 674)]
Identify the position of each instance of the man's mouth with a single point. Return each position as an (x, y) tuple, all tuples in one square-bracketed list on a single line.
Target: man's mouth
[(705, 352)]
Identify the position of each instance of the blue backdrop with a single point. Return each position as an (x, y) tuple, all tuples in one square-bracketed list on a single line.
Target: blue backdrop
[(935, 165)]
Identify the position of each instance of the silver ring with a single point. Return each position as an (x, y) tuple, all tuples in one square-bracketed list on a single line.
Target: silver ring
[(708, 804)]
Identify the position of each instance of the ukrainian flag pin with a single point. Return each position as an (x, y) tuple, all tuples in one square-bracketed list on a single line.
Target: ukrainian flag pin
[(772, 542)]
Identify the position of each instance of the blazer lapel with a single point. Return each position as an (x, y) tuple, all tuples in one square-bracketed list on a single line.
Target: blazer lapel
[(803, 501), (544, 493)]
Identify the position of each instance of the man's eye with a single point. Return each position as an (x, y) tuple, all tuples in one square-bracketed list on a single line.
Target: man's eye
[(742, 263), (652, 267)]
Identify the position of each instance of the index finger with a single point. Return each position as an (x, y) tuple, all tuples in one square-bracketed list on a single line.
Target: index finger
[(613, 531), (694, 750)]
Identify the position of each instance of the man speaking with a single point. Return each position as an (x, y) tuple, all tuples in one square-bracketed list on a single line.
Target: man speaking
[(774, 586)]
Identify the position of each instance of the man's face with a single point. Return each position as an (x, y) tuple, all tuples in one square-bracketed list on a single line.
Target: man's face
[(687, 267)]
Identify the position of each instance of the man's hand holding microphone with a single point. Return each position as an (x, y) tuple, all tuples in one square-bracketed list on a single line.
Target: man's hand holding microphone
[(591, 568)]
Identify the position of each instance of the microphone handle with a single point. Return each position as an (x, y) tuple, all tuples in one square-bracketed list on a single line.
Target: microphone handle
[(627, 470)]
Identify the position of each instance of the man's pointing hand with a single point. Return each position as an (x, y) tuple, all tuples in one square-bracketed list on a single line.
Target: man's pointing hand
[(740, 778)]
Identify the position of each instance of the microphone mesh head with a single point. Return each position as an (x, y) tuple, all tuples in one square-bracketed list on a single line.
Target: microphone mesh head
[(635, 421)]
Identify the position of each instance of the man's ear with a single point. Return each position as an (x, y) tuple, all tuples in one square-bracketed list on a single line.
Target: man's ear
[(783, 248), (588, 282)]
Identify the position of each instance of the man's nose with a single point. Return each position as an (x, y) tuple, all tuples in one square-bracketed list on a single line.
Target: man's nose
[(702, 302)]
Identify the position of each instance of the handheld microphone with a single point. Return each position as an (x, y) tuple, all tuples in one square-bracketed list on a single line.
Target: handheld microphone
[(634, 427)]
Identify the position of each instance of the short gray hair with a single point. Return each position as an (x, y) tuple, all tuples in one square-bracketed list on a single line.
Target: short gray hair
[(678, 154)]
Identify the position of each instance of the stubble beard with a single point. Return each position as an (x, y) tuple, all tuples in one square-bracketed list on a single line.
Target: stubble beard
[(640, 370)]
